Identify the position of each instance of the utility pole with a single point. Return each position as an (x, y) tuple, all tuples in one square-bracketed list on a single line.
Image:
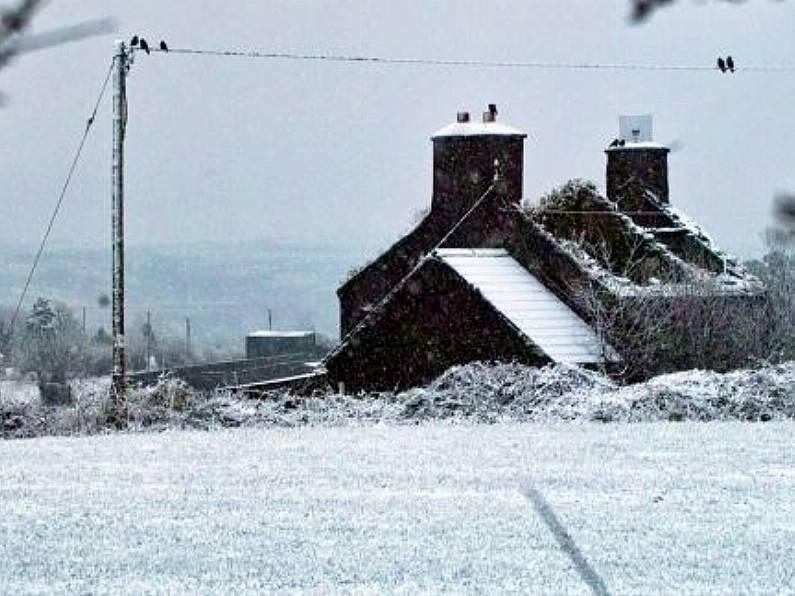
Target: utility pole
[(118, 381), (187, 339), (148, 338), (270, 320)]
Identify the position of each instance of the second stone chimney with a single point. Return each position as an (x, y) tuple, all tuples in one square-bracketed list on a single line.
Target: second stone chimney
[(463, 162), (637, 167)]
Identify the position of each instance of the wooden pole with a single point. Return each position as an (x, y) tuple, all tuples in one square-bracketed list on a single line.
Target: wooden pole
[(187, 339), (118, 380), (148, 338)]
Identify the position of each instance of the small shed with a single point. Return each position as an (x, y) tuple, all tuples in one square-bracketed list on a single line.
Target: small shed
[(262, 344)]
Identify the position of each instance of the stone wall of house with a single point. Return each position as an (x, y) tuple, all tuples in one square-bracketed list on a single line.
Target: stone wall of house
[(362, 292), (434, 321), (486, 227)]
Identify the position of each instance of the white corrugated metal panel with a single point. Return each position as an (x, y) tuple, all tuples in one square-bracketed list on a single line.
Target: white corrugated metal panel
[(527, 303)]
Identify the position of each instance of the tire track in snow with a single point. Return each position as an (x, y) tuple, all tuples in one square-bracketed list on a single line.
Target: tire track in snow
[(588, 574)]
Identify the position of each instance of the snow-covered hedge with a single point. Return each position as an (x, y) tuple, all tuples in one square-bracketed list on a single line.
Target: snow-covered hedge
[(475, 392)]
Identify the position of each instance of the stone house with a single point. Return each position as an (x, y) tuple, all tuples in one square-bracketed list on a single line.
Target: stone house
[(485, 277)]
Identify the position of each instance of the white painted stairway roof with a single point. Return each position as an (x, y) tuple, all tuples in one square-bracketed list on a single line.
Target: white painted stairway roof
[(543, 317)]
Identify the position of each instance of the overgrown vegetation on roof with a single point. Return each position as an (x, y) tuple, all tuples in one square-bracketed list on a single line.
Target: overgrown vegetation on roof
[(576, 212)]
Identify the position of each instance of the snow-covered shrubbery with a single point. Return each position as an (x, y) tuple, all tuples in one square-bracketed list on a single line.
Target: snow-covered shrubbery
[(475, 392)]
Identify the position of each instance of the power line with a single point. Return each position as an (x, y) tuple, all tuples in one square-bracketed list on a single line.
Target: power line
[(542, 211), (64, 188), (721, 212), (539, 65)]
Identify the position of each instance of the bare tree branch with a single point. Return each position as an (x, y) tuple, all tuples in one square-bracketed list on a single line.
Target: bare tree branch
[(642, 10), (15, 21), (62, 35)]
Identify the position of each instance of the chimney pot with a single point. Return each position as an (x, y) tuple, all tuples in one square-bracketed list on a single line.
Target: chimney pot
[(462, 117), (489, 116)]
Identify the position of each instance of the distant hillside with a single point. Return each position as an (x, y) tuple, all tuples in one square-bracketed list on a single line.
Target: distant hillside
[(226, 290)]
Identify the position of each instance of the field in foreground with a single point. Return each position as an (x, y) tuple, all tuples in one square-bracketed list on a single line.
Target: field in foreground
[(531, 508)]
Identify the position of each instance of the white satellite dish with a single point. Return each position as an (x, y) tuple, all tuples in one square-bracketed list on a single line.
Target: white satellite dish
[(635, 129)]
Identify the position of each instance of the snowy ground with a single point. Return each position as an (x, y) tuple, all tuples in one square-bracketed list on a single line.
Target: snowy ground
[(623, 508)]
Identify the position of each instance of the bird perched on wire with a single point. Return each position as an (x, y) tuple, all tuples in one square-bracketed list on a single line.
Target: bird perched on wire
[(730, 63), (721, 64), (134, 41), (144, 45), (163, 46)]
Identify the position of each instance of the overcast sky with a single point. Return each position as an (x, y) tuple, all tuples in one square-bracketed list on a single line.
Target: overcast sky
[(223, 149)]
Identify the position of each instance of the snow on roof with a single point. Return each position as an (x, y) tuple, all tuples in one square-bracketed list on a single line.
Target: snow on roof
[(528, 304), (474, 128), (640, 145), (281, 334)]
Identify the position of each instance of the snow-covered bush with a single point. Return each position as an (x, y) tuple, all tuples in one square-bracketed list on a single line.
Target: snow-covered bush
[(474, 393), (679, 328), (777, 270)]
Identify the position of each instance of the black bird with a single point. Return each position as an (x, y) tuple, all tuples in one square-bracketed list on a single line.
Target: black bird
[(730, 63), (163, 46), (134, 41), (621, 143), (614, 143), (721, 64), (144, 45), (493, 109)]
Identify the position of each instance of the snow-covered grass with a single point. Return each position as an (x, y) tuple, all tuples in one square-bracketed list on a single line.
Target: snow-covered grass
[(433, 508), (467, 394)]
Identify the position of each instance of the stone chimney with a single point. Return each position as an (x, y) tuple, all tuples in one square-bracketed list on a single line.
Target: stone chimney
[(637, 167), (463, 162)]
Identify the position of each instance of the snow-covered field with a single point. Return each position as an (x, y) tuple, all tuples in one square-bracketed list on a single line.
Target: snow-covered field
[(436, 507)]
